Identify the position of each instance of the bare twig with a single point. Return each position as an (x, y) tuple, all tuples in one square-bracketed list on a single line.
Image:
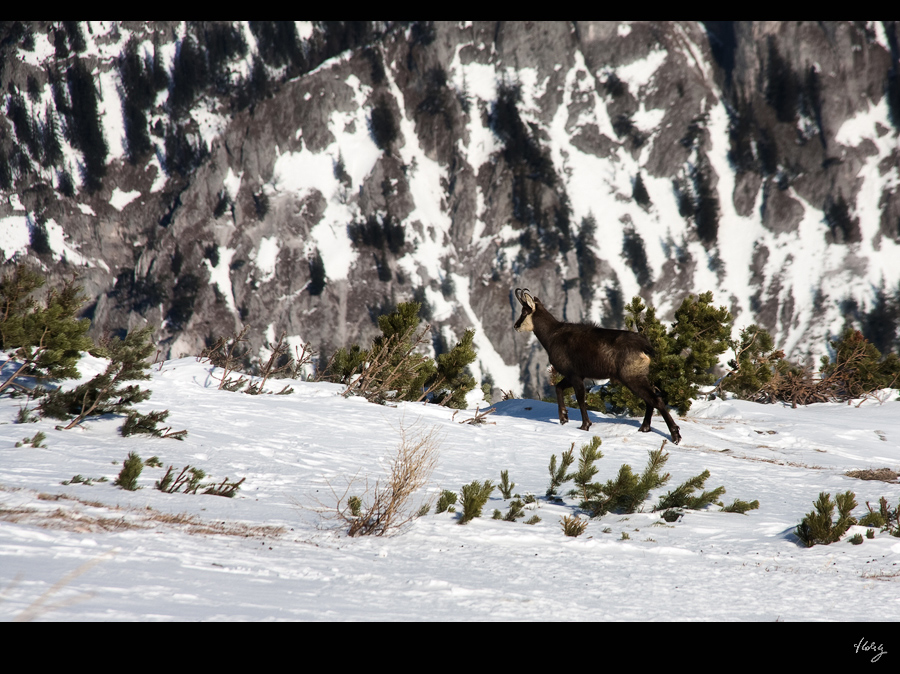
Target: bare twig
[(479, 416)]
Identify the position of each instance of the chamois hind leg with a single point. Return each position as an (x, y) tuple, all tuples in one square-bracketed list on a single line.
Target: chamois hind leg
[(561, 387), (674, 431), (647, 392)]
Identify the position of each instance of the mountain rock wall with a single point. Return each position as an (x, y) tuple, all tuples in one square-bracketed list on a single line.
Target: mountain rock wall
[(306, 178)]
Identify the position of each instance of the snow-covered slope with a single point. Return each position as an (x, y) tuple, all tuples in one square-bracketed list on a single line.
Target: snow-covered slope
[(96, 552)]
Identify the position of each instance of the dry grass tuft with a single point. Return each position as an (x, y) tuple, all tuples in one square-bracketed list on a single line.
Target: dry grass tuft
[(883, 474), (72, 517)]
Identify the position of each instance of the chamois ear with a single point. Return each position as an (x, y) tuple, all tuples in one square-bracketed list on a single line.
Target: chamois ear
[(525, 299)]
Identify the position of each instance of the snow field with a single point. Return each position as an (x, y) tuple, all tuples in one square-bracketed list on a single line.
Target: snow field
[(268, 554)]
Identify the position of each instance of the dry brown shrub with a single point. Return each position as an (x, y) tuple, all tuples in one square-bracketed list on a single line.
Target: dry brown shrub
[(388, 505)]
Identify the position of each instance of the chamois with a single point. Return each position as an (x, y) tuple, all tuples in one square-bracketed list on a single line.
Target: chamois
[(579, 350)]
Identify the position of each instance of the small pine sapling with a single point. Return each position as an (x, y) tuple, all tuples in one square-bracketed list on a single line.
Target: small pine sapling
[(474, 496), (35, 441), (886, 518), (146, 423), (131, 471), (856, 539), (516, 510), (25, 415), (585, 489), (682, 495), (505, 485), (818, 527), (741, 507), (558, 474), (628, 491), (189, 478), (87, 481), (445, 502), (225, 488), (534, 519), (354, 504)]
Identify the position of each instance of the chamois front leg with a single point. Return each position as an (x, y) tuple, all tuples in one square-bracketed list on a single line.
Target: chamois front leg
[(561, 387), (578, 385)]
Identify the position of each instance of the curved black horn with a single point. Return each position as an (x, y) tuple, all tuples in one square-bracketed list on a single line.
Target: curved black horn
[(520, 295)]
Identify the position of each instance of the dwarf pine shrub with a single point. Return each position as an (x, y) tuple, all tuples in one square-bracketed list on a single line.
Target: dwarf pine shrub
[(81, 479), (106, 393), (131, 471), (516, 510), (45, 338), (818, 526), (473, 497), (686, 353), (224, 488), (754, 364), (393, 369), (858, 367)]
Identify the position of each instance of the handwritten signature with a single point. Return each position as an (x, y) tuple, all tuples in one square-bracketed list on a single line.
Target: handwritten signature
[(871, 647)]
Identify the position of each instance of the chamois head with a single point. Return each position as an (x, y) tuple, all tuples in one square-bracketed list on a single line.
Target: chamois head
[(525, 324)]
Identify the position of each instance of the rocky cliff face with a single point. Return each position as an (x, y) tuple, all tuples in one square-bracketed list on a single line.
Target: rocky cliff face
[(306, 178)]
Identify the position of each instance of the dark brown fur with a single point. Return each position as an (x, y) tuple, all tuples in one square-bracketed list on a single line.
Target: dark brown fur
[(578, 351)]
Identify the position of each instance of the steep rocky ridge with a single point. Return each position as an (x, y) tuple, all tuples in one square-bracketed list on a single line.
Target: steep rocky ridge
[(328, 172)]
